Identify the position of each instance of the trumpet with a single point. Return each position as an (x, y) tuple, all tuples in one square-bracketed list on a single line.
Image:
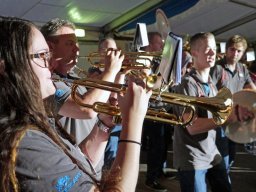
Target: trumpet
[(132, 61), (220, 106)]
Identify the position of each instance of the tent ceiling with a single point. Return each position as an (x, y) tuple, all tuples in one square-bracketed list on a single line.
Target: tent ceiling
[(86, 13), (222, 17)]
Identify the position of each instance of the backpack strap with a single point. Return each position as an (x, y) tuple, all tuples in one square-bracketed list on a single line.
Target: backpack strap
[(224, 76)]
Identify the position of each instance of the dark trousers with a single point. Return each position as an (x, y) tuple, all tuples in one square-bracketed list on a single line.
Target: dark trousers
[(226, 147), (222, 145), (195, 180), (232, 152), (157, 148)]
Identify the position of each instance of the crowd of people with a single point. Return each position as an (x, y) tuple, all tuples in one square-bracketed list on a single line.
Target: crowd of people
[(49, 143)]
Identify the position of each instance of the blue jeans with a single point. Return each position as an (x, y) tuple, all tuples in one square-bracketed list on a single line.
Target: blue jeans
[(112, 146), (195, 180)]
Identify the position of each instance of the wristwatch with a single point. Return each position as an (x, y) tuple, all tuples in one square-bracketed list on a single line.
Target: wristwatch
[(103, 127)]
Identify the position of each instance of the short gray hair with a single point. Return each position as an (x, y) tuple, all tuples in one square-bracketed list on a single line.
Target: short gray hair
[(52, 26)]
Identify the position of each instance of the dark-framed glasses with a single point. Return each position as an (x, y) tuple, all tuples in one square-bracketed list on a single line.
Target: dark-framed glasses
[(45, 56)]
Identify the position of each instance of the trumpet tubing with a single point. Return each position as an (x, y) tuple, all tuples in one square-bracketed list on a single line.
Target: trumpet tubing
[(133, 60), (220, 106)]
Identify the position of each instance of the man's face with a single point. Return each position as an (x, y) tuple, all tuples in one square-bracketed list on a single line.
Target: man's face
[(234, 53), (65, 50), (156, 44), (107, 44), (206, 54)]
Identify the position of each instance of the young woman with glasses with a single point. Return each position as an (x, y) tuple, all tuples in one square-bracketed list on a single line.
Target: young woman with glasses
[(34, 156)]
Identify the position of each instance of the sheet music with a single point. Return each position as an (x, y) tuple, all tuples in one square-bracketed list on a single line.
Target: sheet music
[(170, 66), (141, 37)]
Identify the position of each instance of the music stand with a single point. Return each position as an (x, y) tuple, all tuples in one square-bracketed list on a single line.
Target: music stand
[(140, 38), (170, 65)]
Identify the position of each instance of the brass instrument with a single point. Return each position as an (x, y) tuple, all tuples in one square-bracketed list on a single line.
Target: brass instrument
[(220, 106), (132, 61), (80, 72)]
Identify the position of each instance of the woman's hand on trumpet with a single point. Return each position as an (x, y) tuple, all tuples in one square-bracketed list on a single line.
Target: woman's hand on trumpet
[(134, 103)]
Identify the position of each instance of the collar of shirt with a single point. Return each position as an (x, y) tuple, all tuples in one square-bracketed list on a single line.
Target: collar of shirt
[(198, 78)]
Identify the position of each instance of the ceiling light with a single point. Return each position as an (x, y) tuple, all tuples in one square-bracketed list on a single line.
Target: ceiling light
[(222, 47), (250, 55), (80, 32)]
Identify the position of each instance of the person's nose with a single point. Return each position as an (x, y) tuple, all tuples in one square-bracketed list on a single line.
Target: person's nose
[(212, 52), (236, 52), (162, 46), (76, 48)]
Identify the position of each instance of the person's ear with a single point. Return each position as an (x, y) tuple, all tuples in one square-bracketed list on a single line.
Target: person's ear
[(150, 46), (193, 52)]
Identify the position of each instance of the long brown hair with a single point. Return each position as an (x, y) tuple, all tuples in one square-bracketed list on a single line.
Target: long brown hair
[(21, 106)]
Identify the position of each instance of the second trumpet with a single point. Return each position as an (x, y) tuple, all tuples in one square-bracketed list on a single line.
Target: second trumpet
[(132, 60)]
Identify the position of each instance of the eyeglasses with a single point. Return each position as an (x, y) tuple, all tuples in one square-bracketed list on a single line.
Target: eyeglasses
[(46, 56)]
